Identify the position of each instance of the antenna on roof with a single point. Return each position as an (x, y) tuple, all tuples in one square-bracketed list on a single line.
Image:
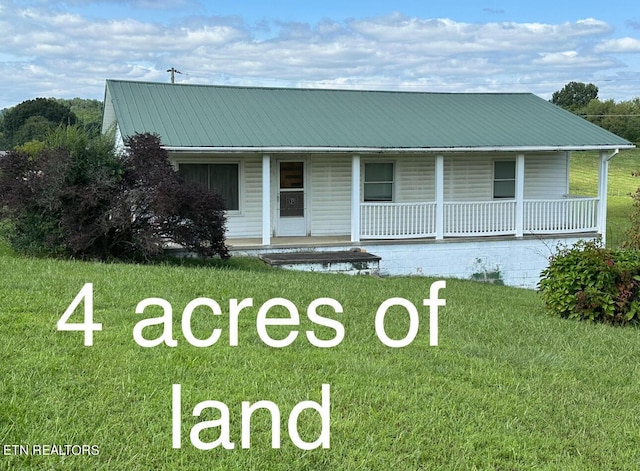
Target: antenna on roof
[(173, 74)]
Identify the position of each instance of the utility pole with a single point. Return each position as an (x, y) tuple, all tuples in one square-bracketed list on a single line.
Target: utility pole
[(173, 72)]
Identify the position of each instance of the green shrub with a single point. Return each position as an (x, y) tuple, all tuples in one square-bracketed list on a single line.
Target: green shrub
[(76, 196), (633, 234), (589, 282)]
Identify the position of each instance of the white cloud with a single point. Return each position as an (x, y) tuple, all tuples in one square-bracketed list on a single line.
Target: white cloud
[(49, 51), (622, 45), (505, 36)]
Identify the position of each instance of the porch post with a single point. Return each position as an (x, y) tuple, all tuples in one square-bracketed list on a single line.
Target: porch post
[(355, 198), (519, 195), (602, 195), (266, 200), (439, 196)]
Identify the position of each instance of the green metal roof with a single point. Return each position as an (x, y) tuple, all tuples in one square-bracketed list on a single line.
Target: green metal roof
[(203, 116)]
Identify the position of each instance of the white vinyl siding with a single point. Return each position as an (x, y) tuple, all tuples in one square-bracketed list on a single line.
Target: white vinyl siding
[(546, 176), (468, 178), (415, 179), (330, 202), (249, 222)]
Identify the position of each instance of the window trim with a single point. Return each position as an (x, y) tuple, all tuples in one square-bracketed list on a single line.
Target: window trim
[(494, 179), (392, 182)]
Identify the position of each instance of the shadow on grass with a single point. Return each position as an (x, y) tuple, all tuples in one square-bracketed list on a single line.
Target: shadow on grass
[(233, 263)]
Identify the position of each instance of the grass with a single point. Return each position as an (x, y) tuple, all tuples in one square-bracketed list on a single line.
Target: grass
[(621, 183), (507, 388)]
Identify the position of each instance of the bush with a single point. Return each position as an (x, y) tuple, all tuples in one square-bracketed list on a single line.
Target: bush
[(76, 196), (633, 234), (589, 282)]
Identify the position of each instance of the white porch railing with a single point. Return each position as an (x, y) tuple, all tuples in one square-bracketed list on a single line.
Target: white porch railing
[(397, 220), (565, 215), (477, 218)]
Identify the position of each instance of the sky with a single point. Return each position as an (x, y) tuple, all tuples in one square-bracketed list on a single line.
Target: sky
[(67, 49)]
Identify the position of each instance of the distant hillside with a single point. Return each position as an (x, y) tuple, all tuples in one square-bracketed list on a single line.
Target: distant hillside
[(89, 112), (33, 119)]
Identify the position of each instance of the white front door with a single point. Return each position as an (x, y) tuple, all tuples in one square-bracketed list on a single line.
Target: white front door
[(291, 199)]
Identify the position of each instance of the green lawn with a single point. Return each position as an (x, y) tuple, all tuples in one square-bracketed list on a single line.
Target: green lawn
[(584, 181), (507, 388)]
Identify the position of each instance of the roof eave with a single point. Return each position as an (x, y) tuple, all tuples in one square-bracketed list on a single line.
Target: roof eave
[(391, 150)]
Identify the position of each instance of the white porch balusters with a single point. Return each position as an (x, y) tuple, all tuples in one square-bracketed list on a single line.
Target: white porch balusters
[(561, 216), (397, 220)]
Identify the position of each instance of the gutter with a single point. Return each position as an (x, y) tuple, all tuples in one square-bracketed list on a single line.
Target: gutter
[(394, 150), (613, 154)]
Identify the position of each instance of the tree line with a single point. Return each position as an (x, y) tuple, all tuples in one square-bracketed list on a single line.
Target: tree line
[(622, 118), (33, 120)]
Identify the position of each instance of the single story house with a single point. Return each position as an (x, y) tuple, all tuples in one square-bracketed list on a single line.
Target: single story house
[(468, 185)]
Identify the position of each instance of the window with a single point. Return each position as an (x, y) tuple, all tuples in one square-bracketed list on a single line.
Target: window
[(378, 181), (504, 179), (220, 178)]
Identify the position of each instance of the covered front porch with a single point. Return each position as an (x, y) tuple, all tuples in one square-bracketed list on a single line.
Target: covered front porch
[(440, 217)]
